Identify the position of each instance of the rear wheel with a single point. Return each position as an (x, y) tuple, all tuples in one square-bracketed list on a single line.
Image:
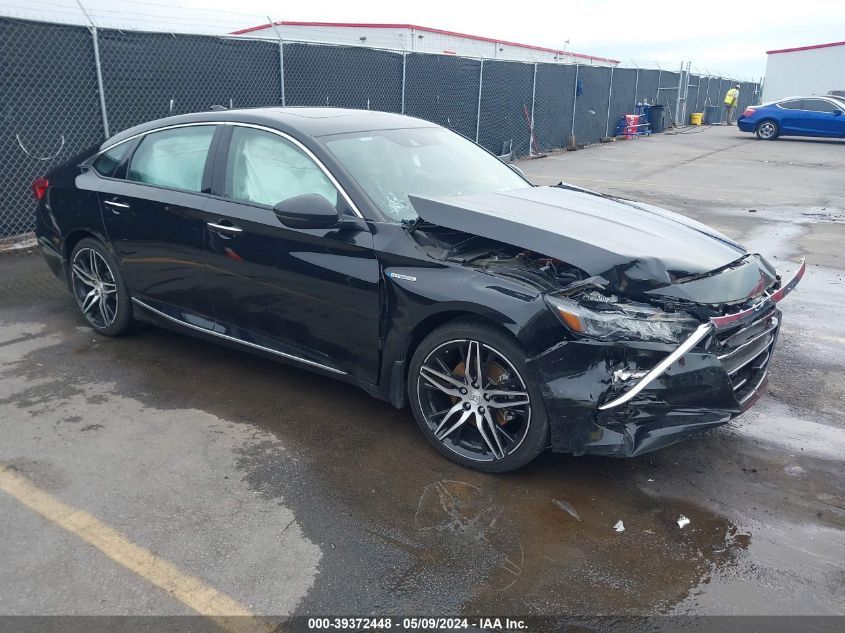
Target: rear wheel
[(767, 130), (471, 398), (99, 289)]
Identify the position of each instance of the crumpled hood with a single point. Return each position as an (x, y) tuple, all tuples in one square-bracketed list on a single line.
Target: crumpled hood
[(636, 247)]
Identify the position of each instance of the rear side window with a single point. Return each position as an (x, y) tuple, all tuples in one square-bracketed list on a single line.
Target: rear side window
[(108, 162), (265, 168), (172, 158), (794, 104), (819, 105)]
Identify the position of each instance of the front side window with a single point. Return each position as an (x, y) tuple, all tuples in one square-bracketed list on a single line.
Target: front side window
[(819, 105), (264, 168), (107, 163), (172, 158), (430, 161)]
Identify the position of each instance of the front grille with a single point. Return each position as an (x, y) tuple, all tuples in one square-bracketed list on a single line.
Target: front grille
[(745, 351)]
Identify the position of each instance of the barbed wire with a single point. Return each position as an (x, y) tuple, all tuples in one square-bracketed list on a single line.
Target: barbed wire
[(182, 19)]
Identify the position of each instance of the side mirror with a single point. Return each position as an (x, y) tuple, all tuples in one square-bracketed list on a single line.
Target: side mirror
[(837, 112), (310, 211)]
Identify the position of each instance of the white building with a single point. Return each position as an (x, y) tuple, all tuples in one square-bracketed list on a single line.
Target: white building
[(806, 70), (419, 39)]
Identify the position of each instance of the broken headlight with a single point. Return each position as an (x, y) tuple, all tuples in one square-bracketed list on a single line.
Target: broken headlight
[(608, 319)]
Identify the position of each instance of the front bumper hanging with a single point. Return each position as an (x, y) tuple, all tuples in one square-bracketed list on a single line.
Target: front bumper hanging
[(715, 324)]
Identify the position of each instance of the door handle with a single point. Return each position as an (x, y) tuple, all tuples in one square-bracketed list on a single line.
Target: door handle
[(225, 230), (115, 205)]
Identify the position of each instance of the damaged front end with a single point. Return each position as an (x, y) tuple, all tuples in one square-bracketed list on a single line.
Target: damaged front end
[(662, 326), (628, 397)]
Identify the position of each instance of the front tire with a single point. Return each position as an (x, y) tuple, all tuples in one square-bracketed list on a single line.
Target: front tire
[(98, 287), (469, 391), (767, 130)]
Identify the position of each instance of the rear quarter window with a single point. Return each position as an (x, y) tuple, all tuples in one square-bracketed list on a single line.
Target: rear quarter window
[(108, 162)]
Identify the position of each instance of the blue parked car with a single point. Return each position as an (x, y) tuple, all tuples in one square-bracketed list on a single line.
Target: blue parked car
[(795, 116)]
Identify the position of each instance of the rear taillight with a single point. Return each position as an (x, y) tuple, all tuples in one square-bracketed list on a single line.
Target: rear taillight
[(39, 187), (748, 112)]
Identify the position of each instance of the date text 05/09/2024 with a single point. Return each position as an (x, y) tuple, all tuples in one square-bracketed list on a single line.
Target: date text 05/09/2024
[(416, 623)]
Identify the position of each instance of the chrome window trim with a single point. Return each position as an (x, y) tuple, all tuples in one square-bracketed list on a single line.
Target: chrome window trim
[(237, 340), (832, 102), (255, 126)]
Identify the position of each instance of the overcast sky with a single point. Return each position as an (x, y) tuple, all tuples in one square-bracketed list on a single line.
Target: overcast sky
[(730, 38)]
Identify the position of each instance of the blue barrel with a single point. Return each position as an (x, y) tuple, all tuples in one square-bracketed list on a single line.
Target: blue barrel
[(712, 114)]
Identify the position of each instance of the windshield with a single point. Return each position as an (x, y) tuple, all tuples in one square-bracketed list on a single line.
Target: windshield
[(390, 164)]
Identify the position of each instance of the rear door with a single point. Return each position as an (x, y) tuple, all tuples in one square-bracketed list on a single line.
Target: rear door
[(154, 221), (309, 293)]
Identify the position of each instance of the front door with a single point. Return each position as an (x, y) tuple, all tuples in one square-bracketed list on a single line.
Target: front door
[(823, 118), (791, 120), (309, 293), (154, 221)]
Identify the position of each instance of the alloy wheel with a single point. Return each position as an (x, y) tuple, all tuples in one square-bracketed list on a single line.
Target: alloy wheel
[(94, 287), (473, 400), (767, 129)]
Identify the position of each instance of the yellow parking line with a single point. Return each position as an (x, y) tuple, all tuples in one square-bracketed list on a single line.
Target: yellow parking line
[(190, 591)]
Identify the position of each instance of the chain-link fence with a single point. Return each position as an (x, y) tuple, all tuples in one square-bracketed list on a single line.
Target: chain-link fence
[(66, 88)]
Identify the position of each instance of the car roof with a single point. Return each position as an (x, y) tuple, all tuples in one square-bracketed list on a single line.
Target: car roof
[(795, 98), (298, 121)]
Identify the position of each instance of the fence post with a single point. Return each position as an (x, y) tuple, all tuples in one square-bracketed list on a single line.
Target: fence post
[(99, 69), (678, 117), (281, 60), (478, 110), (636, 88), (282, 71), (609, 97), (659, 75), (404, 62), (100, 88), (574, 99), (531, 123)]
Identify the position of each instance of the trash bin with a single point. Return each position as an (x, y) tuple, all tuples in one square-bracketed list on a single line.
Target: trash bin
[(695, 118), (657, 118), (711, 115)]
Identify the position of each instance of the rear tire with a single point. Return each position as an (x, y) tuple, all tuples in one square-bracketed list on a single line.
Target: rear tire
[(98, 288), (767, 130), (470, 392)]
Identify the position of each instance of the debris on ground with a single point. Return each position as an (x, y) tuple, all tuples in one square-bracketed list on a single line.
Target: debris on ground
[(567, 507), (18, 242), (619, 527), (682, 521)]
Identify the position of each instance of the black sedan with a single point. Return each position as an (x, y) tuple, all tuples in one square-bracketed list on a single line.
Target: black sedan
[(394, 254)]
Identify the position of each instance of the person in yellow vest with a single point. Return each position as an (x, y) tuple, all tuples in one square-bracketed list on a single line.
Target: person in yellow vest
[(731, 97)]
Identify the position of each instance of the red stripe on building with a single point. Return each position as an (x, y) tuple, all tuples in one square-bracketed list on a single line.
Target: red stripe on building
[(426, 29), (805, 48)]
